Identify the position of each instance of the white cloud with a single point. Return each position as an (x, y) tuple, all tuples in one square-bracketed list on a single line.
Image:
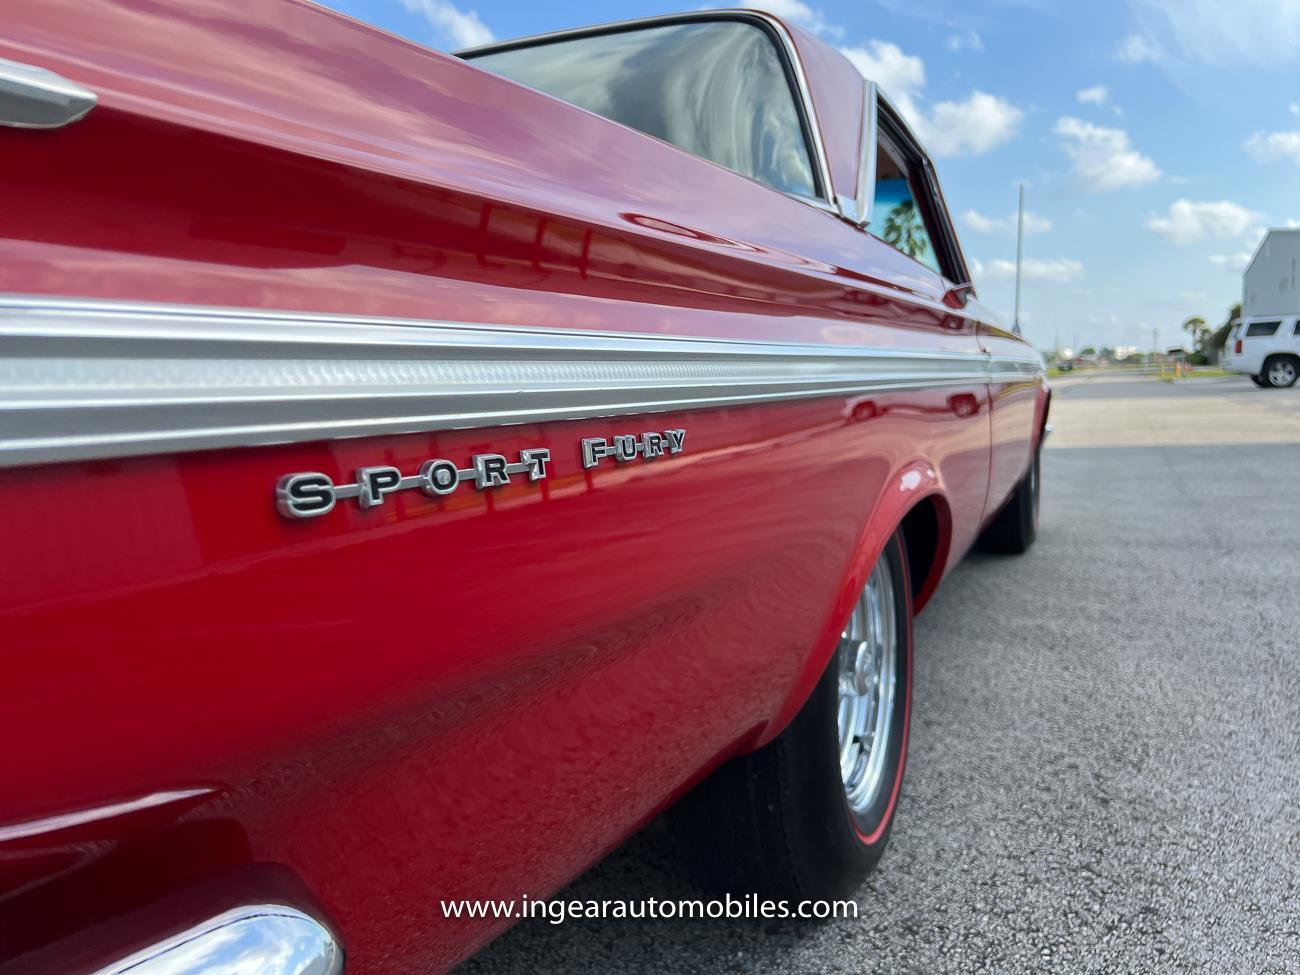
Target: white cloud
[(462, 28), (1187, 222), (797, 12), (1096, 95), (978, 222), (1275, 145), (1254, 32), (972, 126), (1060, 270), (1103, 158), (970, 41), (1232, 262), (1136, 49)]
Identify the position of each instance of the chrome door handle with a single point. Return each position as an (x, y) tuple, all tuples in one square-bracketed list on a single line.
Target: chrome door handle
[(34, 98)]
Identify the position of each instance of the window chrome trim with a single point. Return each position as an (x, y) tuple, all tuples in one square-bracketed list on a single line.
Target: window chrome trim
[(93, 379), (269, 939), (867, 161), (801, 90), (32, 97)]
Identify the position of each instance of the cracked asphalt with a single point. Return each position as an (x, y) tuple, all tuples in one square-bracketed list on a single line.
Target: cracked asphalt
[(1104, 772)]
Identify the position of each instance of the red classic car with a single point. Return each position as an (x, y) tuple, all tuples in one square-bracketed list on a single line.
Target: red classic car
[(421, 471)]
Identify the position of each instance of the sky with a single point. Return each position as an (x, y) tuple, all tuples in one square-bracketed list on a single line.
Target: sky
[(1157, 139)]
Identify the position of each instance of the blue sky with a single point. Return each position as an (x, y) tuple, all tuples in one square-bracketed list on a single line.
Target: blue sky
[(1157, 138)]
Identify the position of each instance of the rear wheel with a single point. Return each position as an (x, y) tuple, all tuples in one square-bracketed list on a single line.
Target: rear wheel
[(1015, 527), (1281, 370), (1258, 381), (809, 815)]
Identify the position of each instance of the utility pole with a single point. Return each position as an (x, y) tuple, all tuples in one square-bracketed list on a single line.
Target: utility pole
[(1020, 254)]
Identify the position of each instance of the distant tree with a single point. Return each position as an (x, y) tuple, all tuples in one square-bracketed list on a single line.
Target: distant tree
[(1219, 337), (904, 230), (1088, 350), (1198, 330)]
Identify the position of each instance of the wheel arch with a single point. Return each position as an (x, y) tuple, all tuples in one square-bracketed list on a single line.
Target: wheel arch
[(927, 535), (915, 500)]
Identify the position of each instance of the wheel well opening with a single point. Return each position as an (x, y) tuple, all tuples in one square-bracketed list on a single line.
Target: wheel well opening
[(922, 538)]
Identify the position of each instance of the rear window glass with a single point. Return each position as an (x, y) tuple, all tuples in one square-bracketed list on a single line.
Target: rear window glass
[(1261, 328), (717, 89)]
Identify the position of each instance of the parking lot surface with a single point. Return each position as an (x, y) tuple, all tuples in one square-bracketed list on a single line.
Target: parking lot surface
[(1104, 772)]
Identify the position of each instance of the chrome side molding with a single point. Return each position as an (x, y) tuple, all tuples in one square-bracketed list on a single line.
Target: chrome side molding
[(266, 939), (34, 98), (81, 380)]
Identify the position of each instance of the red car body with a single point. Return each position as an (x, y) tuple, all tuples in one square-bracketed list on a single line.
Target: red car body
[(474, 696)]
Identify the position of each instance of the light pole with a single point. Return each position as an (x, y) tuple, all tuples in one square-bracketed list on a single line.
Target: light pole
[(1020, 254)]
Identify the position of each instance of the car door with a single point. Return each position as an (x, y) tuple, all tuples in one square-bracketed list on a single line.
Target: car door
[(907, 211), (1015, 382)]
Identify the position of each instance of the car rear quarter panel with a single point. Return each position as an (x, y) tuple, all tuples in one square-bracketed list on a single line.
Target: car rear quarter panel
[(472, 697)]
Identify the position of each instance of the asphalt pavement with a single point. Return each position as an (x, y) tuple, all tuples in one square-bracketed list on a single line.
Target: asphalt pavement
[(1105, 757)]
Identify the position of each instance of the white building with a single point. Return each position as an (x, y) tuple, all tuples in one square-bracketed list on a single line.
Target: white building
[(1269, 283)]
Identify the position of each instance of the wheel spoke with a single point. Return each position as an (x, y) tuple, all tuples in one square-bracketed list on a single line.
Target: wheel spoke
[(867, 652)]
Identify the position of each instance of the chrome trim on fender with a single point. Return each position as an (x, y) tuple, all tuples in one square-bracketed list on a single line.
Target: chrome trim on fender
[(267, 939), (33, 98), (92, 379), (1009, 368)]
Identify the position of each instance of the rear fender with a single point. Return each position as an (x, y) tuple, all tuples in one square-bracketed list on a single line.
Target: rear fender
[(912, 483)]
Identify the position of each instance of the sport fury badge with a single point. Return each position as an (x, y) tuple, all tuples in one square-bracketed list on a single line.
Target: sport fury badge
[(310, 494)]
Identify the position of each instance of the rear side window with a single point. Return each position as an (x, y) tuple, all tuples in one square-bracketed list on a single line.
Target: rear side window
[(1297, 328), (717, 89), (896, 217), (1256, 329)]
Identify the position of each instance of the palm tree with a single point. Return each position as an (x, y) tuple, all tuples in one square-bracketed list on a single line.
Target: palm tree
[(904, 230)]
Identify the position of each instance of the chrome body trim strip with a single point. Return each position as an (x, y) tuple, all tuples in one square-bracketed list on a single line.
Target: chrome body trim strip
[(33, 98), (92, 379), (867, 162), (268, 939)]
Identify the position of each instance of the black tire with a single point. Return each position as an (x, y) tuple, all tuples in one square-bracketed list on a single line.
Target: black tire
[(777, 822), (1258, 381), (1280, 371), (1015, 527)]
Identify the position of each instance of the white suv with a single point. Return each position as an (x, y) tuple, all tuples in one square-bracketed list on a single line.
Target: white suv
[(1265, 349)]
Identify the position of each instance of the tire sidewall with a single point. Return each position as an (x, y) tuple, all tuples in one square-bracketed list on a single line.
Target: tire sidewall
[(852, 844), (1033, 495)]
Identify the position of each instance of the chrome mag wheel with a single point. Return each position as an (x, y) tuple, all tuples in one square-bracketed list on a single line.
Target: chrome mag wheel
[(867, 655)]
